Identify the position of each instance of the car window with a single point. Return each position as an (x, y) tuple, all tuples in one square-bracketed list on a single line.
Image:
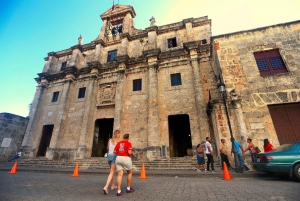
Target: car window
[(283, 147)]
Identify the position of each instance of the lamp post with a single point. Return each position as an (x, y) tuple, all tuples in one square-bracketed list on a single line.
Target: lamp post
[(238, 168)]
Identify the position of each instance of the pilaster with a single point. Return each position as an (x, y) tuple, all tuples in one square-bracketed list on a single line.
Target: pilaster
[(33, 114), (199, 94), (84, 146)]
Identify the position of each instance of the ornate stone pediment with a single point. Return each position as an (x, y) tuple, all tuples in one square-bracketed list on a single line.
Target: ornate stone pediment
[(106, 94)]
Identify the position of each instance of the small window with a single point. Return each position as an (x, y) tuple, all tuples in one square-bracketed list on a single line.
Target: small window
[(55, 96), (172, 43), (203, 42), (269, 62), (137, 85), (175, 79), (111, 55), (63, 65), (81, 92)]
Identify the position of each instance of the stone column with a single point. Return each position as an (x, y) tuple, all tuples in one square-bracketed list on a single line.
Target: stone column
[(199, 95), (27, 141), (83, 146), (241, 125)]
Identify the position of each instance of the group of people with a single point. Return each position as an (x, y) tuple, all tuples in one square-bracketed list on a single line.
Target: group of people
[(118, 158), (208, 151)]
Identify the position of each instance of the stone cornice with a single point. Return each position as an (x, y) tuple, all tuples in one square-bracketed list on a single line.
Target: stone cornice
[(152, 52), (122, 58), (172, 53), (191, 45), (54, 54), (188, 20), (85, 70), (77, 47), (100, 41), (94, 64), (109, 65), (50, 77), (71, 70), (154, 28)]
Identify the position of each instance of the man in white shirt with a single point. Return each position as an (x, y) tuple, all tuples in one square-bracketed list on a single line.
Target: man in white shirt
[(209, 153)]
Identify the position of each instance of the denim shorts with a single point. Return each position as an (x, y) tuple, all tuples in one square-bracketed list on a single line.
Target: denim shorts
[(111, 158), (200, 160)]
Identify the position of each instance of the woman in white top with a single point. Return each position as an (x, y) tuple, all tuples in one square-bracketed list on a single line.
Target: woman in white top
[(111, 160)]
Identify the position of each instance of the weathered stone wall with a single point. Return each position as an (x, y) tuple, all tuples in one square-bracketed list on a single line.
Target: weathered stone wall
[(142, 54), (249, 114), (12, 128)]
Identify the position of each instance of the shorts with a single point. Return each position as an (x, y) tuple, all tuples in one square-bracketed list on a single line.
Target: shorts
[(111, 159), (200, 160), (123, 163)]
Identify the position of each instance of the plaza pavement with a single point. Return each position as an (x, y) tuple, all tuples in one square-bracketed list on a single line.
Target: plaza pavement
[(60, 186)]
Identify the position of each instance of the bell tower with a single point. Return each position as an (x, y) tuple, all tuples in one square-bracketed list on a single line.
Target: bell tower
[(117, 20)]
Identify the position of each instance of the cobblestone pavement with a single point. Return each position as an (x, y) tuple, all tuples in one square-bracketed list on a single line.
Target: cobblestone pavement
[(45, 186)]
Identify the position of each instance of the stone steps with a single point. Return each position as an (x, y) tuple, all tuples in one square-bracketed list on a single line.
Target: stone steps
[(184, 163)]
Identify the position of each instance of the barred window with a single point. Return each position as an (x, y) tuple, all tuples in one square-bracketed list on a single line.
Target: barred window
[(269, 62)]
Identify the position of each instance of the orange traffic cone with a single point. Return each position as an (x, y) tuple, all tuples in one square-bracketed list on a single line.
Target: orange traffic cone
[(143, 172), (75, 173), (14, 168), (226, 174)]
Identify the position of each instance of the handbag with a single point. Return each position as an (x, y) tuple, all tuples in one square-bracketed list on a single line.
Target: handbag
[(257, 150), (105, 155)]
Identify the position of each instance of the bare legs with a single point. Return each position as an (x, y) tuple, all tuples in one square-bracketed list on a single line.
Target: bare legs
[(120, 176), (119, 179), (110, 179)]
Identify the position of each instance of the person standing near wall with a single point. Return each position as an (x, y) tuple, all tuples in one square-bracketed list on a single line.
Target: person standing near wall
[(111, 160), (251, 148), (209, 155), (200, 157), (123, 162), (223, 153), (239, 154), (267, 146)]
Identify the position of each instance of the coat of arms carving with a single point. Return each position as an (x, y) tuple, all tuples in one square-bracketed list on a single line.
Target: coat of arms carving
[(107, 93)]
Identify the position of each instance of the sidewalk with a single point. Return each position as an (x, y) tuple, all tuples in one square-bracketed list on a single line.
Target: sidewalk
[(155, 173)]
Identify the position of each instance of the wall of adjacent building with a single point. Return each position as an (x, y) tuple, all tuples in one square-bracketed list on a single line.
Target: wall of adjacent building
[(12, 130), (253, 92)]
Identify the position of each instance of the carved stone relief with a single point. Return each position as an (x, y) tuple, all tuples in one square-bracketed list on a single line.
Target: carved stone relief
[(106, 95)]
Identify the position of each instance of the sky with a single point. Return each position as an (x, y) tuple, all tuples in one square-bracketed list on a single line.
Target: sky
[(29, 29)]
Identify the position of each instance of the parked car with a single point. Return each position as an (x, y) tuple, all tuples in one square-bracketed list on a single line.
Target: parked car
[(284, 160)]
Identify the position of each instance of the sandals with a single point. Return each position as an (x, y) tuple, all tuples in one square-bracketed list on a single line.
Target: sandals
[(105, 191)]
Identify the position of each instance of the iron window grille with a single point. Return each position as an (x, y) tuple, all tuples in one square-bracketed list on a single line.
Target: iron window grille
[(269, 62)]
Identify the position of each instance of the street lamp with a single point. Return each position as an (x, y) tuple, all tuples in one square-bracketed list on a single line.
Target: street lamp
[(238, 168)]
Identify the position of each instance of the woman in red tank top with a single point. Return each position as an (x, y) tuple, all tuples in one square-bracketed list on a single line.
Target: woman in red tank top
[(267, 146)]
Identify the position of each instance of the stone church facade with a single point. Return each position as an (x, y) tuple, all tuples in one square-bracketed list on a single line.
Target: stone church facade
[(152, 84), (160, 86)]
